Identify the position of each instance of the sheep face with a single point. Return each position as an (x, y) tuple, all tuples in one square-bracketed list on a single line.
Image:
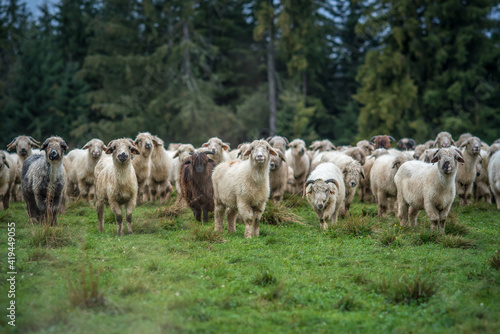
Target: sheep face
[(472, 145), (406, 144), (95, 147), (448, 159), (157, 142), (366, 147), (278, 142), (419, 150), (54, 148), (184, 151), (443, 140), (144, 142), (298, 147), (322, 146), (23, 145), (259, 152), (383, 141), (215, 145), (352, 174), (3, 160), (277, 161), (122, 150), (199, 161), (319, 192)]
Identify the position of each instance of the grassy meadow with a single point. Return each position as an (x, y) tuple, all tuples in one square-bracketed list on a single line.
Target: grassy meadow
[(175, 275)]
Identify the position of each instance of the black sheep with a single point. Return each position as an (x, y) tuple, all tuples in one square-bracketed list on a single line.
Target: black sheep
[(196, 184)]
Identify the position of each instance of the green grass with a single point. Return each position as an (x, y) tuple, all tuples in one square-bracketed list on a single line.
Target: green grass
[(175, 275)]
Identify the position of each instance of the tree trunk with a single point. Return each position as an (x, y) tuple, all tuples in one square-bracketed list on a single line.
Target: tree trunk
[(271, 77), (187, 65)]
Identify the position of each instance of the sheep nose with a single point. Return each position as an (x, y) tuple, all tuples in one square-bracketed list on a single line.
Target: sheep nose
[(353, 184), (272, 165), (53, 155), (148, 145), (95, 154), (23, 151), (320, 206), (301, 152), (259, 157), (122, 156), (214, 150)]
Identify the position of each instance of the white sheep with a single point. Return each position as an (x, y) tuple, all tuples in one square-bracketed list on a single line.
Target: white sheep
[(467, 171), (382, 181), (494, 171), (429, 187), (243, 188), (352, 172), (116, 183), (325, 192), (80, 165), (482, 184), (142, 164), (297, 158), (366, 147), (159, 183), (218, 148), (8, 172), (182, 152)]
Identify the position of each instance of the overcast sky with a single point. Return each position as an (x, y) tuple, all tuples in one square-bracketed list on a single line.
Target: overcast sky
[(34, 4)]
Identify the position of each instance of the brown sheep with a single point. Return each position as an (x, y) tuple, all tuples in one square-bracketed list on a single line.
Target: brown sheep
[(278, 176), (383, 141), (196, 183)]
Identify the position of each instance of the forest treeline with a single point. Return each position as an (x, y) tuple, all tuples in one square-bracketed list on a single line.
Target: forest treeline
[(187, 70)]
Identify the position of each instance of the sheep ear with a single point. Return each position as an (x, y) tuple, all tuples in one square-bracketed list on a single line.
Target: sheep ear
[(225, 146), (344, 171), (308, 182), (247, 152), (5, 161), (435, 157), (272, 151), (157, 141), (396, 165), (204, 145), (64, 146), (135, 151), (109, 149), (44, 145), (85, 147), (460, 156), (362, 174), (269, 139), (177, 153)]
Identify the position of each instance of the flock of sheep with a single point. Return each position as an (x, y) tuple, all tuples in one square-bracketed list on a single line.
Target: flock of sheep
[(238, 183)]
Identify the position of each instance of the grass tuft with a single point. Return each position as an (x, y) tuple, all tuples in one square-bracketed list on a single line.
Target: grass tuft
[(495, 261), (265, 278), (50, 236), (170, 210), (347, 303), (146, 226), (279, 213), (355, 225), (427, 236), (208, 234), (454, 227), (455, 241), (416, 290), (40, 254), (84, 293), (388, 236)]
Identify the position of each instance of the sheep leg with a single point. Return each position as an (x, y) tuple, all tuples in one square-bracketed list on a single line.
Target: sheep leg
[(248, 228), (115, 207), (219, 218), (402, 211), (82, 187), (205, 215), (197, 214), (496, 195), (468, 193), (335, 217), (100, 215), (381, 203), (129, 211), (412, 216), (433, 214), (231, 220)]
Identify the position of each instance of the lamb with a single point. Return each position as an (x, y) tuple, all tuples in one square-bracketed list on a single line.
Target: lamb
[(243, 188), (352, 172), (43, 181), (79, 167), (494, 172), (382, 181), (24, 148), (429, 187), (325, 191), (482, 184), (159, 183), (443, 139), (467, 172), (178, 158), (406, 144), (383, 141), (8, 172), (142, 164), (278, 176), (218, 148), (366, 147), (196, 184), (116, 183), (278, 142), (299, 161)]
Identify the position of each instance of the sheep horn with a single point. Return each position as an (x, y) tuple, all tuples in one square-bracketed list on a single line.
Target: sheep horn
[(308, 182), (286, 141), (391, 138), (333, 181), (208, 152), (371, 140), (269, 139), (33, 140), (12, 143)]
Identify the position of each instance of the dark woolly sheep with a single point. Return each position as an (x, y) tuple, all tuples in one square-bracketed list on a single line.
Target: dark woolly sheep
[(406, 144), (196, 184), (383, 141), (43, 181)]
